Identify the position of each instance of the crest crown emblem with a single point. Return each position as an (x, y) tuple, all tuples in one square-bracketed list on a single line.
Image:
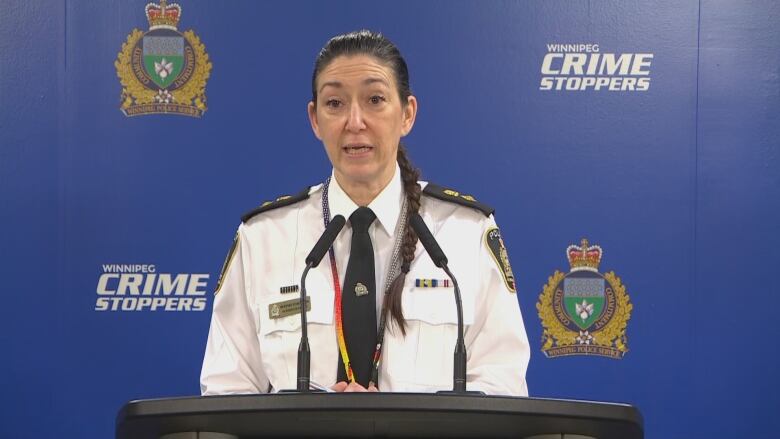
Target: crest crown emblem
[(163, 71), (584, 257), (584, 312), (163, 15)]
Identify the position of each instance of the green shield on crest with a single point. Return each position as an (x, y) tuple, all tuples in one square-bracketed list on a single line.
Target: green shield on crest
[(583, 298), (163, 58)]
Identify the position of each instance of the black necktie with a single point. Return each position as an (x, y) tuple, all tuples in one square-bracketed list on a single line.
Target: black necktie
[(358, 299)]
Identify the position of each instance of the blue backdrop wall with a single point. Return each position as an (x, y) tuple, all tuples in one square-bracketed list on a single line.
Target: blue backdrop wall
[(677, 180)]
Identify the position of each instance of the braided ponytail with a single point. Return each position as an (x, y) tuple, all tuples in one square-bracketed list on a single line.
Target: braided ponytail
[(409, 177)]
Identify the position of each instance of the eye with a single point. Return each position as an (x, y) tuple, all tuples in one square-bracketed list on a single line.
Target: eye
[(376, 99), (333, 103)]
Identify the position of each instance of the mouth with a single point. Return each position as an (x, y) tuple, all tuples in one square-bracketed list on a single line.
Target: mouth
[(357, 149)]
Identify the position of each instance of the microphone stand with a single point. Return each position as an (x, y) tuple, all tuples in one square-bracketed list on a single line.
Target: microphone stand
[(459, 373), (312, 260), (459, 357), (440, 260), (304, 352)]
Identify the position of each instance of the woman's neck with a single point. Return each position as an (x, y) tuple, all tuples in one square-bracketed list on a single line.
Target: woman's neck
[(360, 192)]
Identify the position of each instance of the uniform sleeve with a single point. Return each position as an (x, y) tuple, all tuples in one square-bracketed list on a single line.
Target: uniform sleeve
[(233, 361), (497, 344)]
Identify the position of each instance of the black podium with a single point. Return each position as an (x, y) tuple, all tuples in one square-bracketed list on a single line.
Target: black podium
[(375, 415)]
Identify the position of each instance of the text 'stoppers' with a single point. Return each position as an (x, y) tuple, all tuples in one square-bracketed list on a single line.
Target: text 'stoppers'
[(163, 70)]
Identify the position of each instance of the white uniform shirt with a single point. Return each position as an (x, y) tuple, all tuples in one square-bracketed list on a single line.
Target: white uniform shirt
[(250, 352)]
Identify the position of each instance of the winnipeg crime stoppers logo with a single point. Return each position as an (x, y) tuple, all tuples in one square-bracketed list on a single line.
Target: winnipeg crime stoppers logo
[(162, 70), (575, 67), (138, 287), (584, 312)]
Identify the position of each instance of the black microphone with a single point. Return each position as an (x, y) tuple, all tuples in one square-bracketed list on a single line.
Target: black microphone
[(325, 241), (428, 241), (440, 259), (312, 260)]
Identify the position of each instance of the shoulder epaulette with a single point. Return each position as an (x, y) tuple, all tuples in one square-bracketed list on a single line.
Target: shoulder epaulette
[(436, 191), (284, 200)]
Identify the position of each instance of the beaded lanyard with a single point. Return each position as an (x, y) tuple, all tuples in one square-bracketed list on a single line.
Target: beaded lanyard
[(394, 265)]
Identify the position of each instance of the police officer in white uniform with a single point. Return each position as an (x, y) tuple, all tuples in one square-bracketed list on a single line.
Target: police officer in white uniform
[(361, 107)]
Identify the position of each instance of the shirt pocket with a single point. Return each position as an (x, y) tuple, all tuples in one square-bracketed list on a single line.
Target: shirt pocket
[(432, 318), (279, 337)]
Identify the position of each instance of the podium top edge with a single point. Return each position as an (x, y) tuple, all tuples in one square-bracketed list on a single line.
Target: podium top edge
[(402, 402)]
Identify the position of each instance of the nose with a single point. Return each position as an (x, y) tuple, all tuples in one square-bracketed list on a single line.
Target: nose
[(355, 122)]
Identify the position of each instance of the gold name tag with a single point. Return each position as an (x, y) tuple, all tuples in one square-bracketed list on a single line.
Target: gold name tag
[(287, 308)]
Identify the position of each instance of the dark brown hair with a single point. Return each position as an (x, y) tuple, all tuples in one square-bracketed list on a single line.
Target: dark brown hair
[(365, 42)]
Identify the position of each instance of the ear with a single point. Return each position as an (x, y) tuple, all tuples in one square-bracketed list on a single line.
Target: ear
[(312, 110), (409, 115)]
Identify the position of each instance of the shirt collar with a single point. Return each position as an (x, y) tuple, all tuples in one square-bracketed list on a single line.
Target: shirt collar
[(386, 205)]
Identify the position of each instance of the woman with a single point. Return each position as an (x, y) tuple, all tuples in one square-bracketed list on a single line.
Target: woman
[(393, 325)]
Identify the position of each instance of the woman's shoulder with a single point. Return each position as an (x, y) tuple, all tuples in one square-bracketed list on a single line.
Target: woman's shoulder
[(281, 204), (437, 193)]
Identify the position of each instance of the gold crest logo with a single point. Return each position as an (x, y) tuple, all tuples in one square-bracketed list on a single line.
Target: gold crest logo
[(584, 312), (162, 70)]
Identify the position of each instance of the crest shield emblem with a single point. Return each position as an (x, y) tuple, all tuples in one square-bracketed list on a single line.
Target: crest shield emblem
[(583, 298), (584, 312), (163, 56), (163, 70)]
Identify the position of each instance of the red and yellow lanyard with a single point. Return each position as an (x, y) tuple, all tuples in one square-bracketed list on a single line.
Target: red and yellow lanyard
[(338, 308)]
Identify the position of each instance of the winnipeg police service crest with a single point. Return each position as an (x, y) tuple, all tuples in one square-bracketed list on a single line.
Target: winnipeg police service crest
[(584, 312), (163, 70)]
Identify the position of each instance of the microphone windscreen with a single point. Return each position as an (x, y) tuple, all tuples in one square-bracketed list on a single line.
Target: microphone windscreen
[(326, 240), (428, 241)]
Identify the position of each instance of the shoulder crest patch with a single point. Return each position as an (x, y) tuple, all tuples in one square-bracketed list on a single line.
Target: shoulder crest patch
[(284, 200), (497, 249), (442, 193)]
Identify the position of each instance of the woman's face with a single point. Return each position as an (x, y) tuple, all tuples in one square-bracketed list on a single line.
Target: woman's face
[(360, 119)]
